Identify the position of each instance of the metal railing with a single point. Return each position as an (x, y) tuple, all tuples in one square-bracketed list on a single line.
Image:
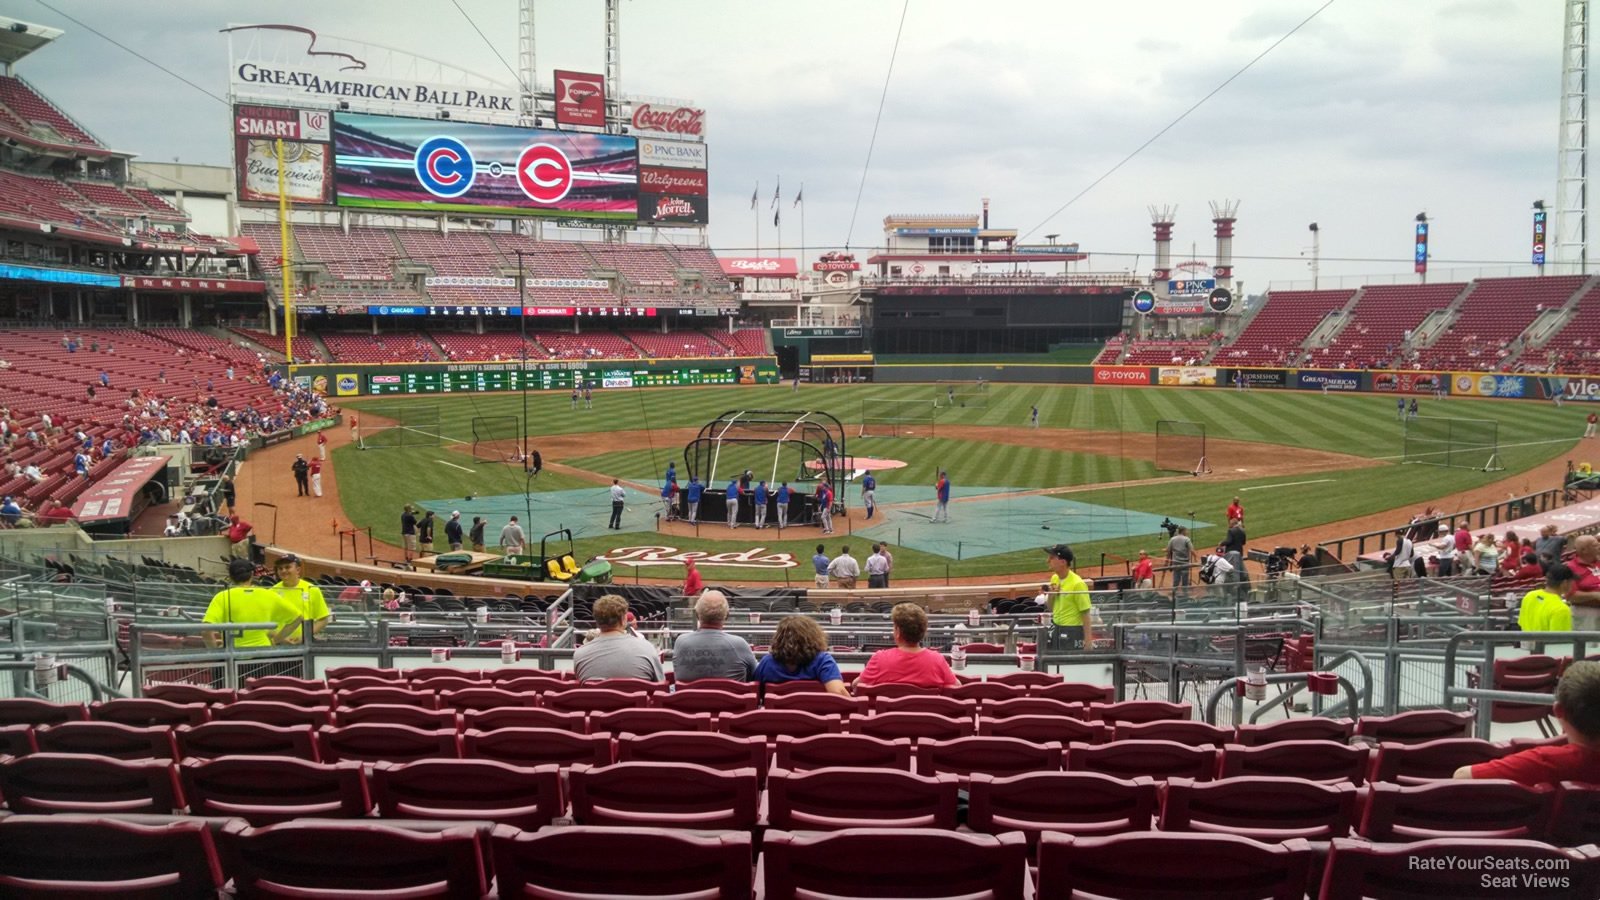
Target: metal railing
[(1490, 641), (1487, 516)]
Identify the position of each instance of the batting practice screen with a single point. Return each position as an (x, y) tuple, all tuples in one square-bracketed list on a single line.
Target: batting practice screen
[(497, 438), (413, 426), (898, 418), (1181, 447), (1459, 443)]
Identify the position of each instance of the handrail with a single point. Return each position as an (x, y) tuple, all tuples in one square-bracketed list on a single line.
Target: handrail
[(1232, 685), (96, 691), (1492, 640)]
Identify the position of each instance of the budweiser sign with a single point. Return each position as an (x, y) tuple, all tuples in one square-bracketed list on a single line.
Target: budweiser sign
[(684, 120), (672, 181)]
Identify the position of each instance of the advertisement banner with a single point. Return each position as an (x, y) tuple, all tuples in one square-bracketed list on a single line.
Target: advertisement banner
[(307, 171), (1410, 382), (673, 154), (654, 180), (1188, 376), (1489, 384), (760, 266), (429, 166), (281, 122), (1578, 387), (674, 209), (346, 385), (1121, 375), (193, 285), (1267, 378), (580, 98), (1327, 380), (681, 121), (1168, 306), (617, 381)]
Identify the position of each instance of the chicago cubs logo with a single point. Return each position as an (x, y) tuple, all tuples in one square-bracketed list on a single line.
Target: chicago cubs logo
[(544, 173), (444, 166)]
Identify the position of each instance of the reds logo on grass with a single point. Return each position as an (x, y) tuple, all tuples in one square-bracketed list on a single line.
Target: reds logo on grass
[(544, 173), (444, 166)]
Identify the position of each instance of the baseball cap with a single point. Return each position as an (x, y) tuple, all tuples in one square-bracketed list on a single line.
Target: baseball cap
[(1060, 551), (456, 514), (286, 559), (240, 569)]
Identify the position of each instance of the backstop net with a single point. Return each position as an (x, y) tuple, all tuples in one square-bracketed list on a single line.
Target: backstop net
[(1459, 443), (898, 418), (497, 438), (405, 425), (956, 394), (1181, 447)]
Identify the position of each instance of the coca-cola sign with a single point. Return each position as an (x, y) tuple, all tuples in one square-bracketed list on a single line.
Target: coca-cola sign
[(580, 98), (682, 121), (672, 181)]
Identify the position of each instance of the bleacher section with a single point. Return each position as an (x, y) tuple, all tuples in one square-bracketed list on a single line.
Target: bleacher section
[(589, 345), (463, 255), (1166, 353), (1576, 347), (676, 344), (1275, 335), (743, 341), (30, 107), (1493, 314), (1380, 321), (640, 265), (1109, 354), (490, 347), (365, 254), (377, 348)]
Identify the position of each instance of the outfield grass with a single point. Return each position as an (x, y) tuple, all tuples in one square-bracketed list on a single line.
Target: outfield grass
[(375, 484)]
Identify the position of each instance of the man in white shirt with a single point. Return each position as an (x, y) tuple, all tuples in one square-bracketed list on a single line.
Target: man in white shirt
[(618, 497), (32, 473), (512, 540), (843, 569), (1404, 552), (1445, 551), (877, 569)]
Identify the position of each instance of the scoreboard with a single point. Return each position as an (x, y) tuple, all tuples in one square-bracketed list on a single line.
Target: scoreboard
[(478, 380)]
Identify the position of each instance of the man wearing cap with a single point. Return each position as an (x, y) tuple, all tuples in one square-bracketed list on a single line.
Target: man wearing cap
[(475, 534), (302, 595), (239, 536), (425, 531), (301, 482), (452, 531), (10, 512), (1072, 624), (242, 601), (941, 509), (316, 476), (408, 530), (1144, 572), (693, 492)]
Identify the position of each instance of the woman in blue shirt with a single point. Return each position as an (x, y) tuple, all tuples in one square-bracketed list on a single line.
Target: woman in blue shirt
[(800, 653)]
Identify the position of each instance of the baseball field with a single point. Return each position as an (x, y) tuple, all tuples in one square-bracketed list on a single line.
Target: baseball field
[(1086, 475)]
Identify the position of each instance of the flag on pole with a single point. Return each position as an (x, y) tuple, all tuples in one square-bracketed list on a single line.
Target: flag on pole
[(775, 190), (754, 195), (775, 214), (799, 194)]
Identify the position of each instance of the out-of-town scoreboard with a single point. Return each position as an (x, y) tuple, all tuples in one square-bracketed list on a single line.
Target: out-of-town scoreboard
[(480, 380)]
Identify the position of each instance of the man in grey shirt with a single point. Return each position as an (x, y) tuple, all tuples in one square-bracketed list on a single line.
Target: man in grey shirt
[(711, 652), (614, 653), (877, 568), (1180, 555), (512, 540)]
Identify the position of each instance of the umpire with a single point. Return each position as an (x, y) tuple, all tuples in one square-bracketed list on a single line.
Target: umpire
[(1071, 616)]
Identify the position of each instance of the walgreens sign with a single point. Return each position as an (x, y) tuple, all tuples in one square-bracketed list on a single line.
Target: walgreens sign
[(672, 181)]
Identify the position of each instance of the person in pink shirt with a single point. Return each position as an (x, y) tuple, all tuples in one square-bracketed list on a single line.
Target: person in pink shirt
[(908, 662), (1463, 539)]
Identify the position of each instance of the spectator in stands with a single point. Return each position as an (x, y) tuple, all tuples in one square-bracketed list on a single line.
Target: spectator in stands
[(1180, 555), (1577, 709), (408, 530), (512, 540), (614, 652), (1400, 560), (1550, 545), (242, 601), (239, 536), (12, 467), (1510, 553), (1485, 555), (175, 526), (1545, 608), (1585, 596), (53, 512), (908, 662), (844, 569), (32, 473), (1529, 569), (710, 652), (800, 653), (475, 533), (10, 512), (452, 531), (305, 597)]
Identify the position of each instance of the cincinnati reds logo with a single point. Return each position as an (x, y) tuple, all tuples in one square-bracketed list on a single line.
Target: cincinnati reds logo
[(444, 167), (544, 173), (753, 558)]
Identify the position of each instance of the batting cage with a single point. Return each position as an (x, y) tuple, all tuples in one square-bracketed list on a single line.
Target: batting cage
[(1181, 447), (803, 448), (898, 418), (497, 438), (411, 426), (1458, 443), (962, 393)]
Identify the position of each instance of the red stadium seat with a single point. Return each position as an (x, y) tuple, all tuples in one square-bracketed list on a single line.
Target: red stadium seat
[(892, 862), (821, 751), (1028, 680), (836, 798), (803, 686), (353, 860), (1458, 867), (377, 742), (189, 693), (915, 725), (1418, 763), (423, 673), (337, 672), (579, 863), (534, 684), (443, 683), (486, 698), (1191, 732), (1173, 864), (357, 682), (594, 699), (87, 856), (396, 714), (948, 707), (874, 691), (1323, 761), (714, 751), (304, 684), (821, 703), (985, 691), (291, 696), (1309, 728), (397, 696), (263, 790), (1045, 728), (668, 795), (648, 721), (475, 789), (141, 712), (996, 756), (1136, 711), (1032, 706), (1262, 808), (769, 723), (708, 701), (1487, 809), (272, 712), (1416, 727), (728, 685), (83, 783), (1083, 803), (517, 717), (107, 739), (17, 740), (27, 711), (217, 739), (1074, 692), (537, 746), (1156, 759)]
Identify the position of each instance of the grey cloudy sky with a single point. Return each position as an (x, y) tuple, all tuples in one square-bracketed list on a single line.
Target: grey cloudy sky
[(1375, 111)]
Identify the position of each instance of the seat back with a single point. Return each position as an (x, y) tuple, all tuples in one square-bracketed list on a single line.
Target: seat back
[(107, 739), (353, 859), (396, 714), (1261, 807), (477, 789), (380, 742), (1191, 732), (1135, 711), (678, 795), (985, 691), (823, 703), (820, 751), (1305, 728), (594, 700), (1456, 867), (1311, 760), (1032, 706), (1416, 727), (1466, 808), (949, 707), (1173, 864), (28, 711), (1576, 818), (362, 671), (648, 721), (144, 712), (217, 739), (727, 685), (580, 862), (480, 697), (84, 783), (177, 692), (272, 712), (1028, 680), (835, 798), (518, 717), (263, 790), (707, 701), (1156, 759), (996, 756), (537, 746), (291, 696), (714, 751), (894, 862), (1075, 692), (74, 855), (1085, 803), (1040, 729), (770, 723), (921, 726), (1404, 763), (398, 696)]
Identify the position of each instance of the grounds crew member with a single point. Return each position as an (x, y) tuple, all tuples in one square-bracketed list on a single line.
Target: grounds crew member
[(1071, 620), (1545, 607), (242, 601), (302, 595)]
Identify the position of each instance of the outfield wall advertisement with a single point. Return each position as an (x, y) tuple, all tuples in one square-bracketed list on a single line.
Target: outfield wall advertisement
[(455, 378), (1188, 376)]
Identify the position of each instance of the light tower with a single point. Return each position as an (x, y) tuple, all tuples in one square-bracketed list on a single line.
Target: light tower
[(1223, 215), (1571, 242), (1161, 219)]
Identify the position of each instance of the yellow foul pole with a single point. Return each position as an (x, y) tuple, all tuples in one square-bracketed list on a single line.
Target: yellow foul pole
[(283, 249)]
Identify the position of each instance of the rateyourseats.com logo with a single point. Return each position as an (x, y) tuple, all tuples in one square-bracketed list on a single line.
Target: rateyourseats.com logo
[(1511, 873)]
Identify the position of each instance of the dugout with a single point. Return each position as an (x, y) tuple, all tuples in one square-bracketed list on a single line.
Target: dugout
[(803, 448)]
